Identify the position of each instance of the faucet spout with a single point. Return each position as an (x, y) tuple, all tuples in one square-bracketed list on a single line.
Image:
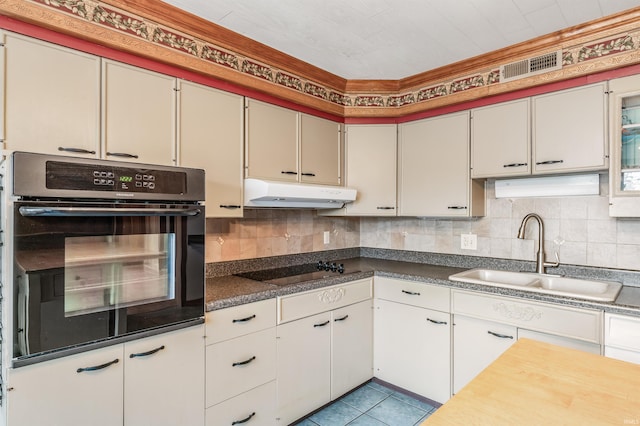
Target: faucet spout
[(541, 265)]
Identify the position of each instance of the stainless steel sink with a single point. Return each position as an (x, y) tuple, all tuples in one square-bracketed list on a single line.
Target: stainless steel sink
[(602, 291)]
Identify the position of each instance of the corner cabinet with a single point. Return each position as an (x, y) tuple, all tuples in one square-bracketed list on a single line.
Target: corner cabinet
[(210, 137), (412, 341), (370, 168), (285, 145), (138, 114), (155, 380), (570, 130), (51, 98), (433, 171), (624, 119)]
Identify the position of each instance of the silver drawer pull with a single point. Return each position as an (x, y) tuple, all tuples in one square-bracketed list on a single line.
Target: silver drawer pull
[(436, 322), (411, 293)]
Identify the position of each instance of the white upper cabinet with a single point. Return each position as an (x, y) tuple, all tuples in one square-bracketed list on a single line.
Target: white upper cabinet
[(272, 142), (320, 150), (624, 116), (433, 177), (500, 140), (138, 114), (569, 130), (370, 168), (210, 137), (285, 145), (51, 98)]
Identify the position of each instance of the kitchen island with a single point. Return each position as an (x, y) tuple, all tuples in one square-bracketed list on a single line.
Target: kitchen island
[(535, 383)]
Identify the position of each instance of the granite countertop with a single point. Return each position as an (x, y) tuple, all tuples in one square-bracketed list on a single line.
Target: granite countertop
[(231, 290)]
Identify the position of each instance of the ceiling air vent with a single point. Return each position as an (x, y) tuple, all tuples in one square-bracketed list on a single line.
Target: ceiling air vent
[(532, 66)]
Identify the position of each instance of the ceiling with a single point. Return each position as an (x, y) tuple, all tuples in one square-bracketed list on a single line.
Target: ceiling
[(394, 39)]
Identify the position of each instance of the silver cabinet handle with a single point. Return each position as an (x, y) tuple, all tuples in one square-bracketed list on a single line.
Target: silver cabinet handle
[(97, 211), (411, 293), (385, 208), (436, 322), (457, 207), (515, 165)]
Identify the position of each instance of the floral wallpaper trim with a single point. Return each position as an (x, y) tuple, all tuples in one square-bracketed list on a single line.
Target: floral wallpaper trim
[(102, 14), (605, 48)]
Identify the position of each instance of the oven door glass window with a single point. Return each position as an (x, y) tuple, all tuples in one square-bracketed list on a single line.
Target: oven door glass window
[(115, 271)]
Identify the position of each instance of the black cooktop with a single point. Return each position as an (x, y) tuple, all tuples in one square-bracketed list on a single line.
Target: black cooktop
[(298, 273)]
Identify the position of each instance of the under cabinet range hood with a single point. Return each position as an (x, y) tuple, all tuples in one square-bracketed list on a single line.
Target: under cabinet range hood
[(270, 194)]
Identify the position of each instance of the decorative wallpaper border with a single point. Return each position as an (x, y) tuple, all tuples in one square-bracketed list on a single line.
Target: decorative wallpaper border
[(101, 14)]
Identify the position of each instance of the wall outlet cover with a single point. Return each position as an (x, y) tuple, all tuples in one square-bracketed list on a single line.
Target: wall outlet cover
[(469, 242), (327, 237)]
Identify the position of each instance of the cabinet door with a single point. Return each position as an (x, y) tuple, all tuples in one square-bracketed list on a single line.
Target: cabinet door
[(500, 140), (52, 98), (569, 130), (319, 150), (57, 393), (370, 168), (210, 137), (624, 122), (412, 349), (476, 344), (304, 366), (351, 347), (164, 379), (434, 167), (138, 114), (272, 142)]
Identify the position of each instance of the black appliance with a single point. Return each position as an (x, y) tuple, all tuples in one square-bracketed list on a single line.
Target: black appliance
[(102, 251)]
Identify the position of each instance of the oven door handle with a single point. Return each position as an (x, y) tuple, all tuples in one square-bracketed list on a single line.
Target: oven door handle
[(97, 211)]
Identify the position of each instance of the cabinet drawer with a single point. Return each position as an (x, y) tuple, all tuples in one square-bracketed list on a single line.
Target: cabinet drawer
[(256, 408), (312, 302), (570, 322), (566, 342), (237, 321), (237, 365), (622, 332), (622, 354), (413, 293)]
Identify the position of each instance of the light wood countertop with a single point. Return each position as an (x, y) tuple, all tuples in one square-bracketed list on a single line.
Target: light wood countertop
[(535, 383)]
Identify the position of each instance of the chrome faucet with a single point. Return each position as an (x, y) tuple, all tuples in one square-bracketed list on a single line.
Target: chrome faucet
[(541, 265)]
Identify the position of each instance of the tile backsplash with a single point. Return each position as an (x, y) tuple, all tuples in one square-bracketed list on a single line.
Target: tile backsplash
[(578, 228)]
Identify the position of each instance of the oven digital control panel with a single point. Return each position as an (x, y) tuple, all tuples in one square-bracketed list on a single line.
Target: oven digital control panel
[(91, 177)]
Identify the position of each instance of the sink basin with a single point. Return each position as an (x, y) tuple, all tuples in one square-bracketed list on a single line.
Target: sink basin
[(602, 291)]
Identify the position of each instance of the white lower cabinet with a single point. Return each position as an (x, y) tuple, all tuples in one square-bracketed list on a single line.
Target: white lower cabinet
[(304, 366), (476, 344), (164, 379), (412, 349), (161, 384), (622, 337), (241, 365), (412, 340), (351, 347), (56, 393), (322, 356), (486, 325)]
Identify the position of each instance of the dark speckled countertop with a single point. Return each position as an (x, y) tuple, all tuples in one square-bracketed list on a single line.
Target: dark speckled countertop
[(227, 289)]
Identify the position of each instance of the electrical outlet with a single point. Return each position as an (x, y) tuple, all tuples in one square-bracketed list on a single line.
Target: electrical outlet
[(469, 242), (327, 237)]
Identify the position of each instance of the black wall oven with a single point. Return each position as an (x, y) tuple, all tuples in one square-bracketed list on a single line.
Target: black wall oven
[(102, 251)]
